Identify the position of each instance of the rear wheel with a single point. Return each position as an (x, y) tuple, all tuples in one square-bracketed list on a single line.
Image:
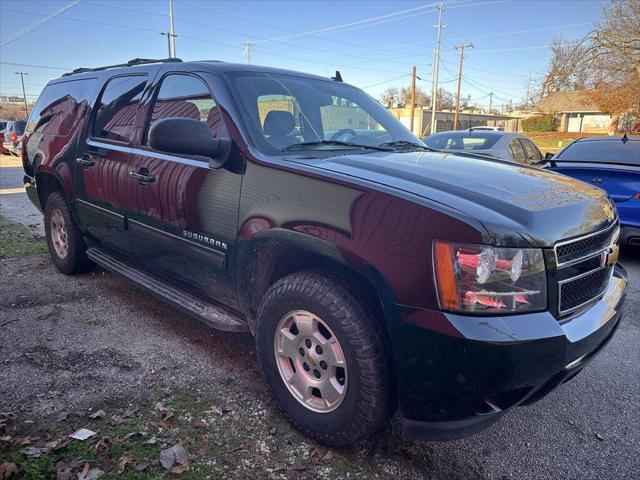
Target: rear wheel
[(322, 352), (66, 245)]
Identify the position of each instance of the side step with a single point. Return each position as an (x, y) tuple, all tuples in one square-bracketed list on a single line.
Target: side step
[(213, 315)]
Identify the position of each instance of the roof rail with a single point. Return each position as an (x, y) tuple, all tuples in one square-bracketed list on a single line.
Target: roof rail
[(130, 63)]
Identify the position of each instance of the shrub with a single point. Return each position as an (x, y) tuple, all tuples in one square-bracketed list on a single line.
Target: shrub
[(539, 123)]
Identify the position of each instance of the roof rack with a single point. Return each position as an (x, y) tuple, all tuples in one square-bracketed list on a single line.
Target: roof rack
[(130, 63)]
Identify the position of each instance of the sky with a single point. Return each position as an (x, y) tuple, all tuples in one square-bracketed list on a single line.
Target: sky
[(374, 44)]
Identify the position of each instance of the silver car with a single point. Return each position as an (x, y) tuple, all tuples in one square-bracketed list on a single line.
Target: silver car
[(503, 145)]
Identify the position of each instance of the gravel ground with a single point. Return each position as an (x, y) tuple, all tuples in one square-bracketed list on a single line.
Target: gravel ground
[(73, 344)]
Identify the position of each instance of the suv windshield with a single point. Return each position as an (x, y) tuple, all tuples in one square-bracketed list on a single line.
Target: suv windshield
[(288, 113)]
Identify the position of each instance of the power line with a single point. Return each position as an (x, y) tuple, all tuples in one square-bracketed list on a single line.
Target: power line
[(31, 28), (382, 82), (436, 67)]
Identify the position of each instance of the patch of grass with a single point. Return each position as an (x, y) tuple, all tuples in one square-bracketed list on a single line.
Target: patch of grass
[(239, 440), (554, 141), (17, 240)]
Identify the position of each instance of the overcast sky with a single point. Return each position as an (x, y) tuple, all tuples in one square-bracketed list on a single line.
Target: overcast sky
[(374, 46)]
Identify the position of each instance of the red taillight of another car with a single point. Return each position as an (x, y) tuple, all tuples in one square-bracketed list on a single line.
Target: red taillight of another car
[(14, 137)]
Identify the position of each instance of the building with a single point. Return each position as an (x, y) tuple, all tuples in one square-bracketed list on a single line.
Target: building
[(575, 112), (444, 120)]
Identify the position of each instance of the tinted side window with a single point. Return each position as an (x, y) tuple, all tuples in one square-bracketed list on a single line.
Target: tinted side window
[(185, 96), (531, 151), (116, 110), (611, 151), (60, 105), (516, 151)]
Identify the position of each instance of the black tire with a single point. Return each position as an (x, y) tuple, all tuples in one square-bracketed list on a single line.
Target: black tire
[(75, 260), (368, 398)]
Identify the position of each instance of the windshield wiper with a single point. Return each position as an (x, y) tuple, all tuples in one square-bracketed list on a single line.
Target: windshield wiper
[(406, 144), (338, 143)]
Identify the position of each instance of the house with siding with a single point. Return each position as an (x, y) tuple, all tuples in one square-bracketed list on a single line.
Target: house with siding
[(575, 112)]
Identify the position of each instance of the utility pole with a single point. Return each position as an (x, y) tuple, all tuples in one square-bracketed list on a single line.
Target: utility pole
[(413, 97), (172, 32), (24, 93), (490, 101), (436, 68), (510, 109), (247, 44), (455, 115)]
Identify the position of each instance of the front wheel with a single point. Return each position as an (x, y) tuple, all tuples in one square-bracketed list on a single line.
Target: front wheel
[(322, 352)]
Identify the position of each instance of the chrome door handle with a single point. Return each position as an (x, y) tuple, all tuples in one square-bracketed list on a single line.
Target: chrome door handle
[(596, 180), (85, 161), (142, 177)]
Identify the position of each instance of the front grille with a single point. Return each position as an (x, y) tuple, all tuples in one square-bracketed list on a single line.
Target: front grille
[(578, 291), (583, 269), (572, 250)]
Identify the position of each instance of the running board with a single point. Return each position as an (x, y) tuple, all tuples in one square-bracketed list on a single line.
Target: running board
[(213, 315)]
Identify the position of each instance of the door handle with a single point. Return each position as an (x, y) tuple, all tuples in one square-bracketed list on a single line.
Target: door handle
[(596, 180), (142, 176), (85, 161)]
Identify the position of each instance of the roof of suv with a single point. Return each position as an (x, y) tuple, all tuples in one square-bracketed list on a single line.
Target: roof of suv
[(207, 65)]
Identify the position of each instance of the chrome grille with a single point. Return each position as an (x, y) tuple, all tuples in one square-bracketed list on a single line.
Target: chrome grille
[(583, 271), (578, 291), (574, 250)]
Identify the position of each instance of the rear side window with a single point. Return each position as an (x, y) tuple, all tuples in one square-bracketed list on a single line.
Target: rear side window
[(117, 108), (517, 152), (60, 106), (531, 151), (603, 151), (185, 96)]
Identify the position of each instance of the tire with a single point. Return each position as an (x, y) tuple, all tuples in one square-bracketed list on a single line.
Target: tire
[(366, 399), (66, 244)]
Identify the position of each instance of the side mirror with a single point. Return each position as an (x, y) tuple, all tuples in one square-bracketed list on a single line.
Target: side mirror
[(548, 156), (188, 137)]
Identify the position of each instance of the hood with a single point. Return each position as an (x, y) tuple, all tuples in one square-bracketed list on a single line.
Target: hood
[(518, 205)]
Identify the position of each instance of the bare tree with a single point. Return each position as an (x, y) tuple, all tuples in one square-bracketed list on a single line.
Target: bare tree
[(390, 96), (393, 95), (605, 63)]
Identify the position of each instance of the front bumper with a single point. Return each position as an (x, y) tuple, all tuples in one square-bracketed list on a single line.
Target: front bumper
[(458, 374)]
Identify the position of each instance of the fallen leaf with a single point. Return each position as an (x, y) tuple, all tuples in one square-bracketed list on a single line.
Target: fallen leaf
[(38, 451), (100, 445), (299, 467), (116, 420), (124, 459), (180, 469), (166, 418), (7, 469), (141, 467), (6, 439), (278, 467), (327, 456), (202, 423), (213, 410), (203, 451), (98, 414)]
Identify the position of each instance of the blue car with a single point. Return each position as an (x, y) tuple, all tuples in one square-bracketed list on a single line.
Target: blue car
[(611, 163)]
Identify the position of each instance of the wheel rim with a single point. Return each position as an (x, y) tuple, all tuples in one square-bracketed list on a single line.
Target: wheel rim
[(310, 361), (59, 236)]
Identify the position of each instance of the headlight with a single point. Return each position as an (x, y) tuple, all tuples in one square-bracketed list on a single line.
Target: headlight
[(484, 279)]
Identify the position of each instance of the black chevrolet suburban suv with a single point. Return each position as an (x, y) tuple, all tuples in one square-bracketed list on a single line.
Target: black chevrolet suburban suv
[(374, 273)]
